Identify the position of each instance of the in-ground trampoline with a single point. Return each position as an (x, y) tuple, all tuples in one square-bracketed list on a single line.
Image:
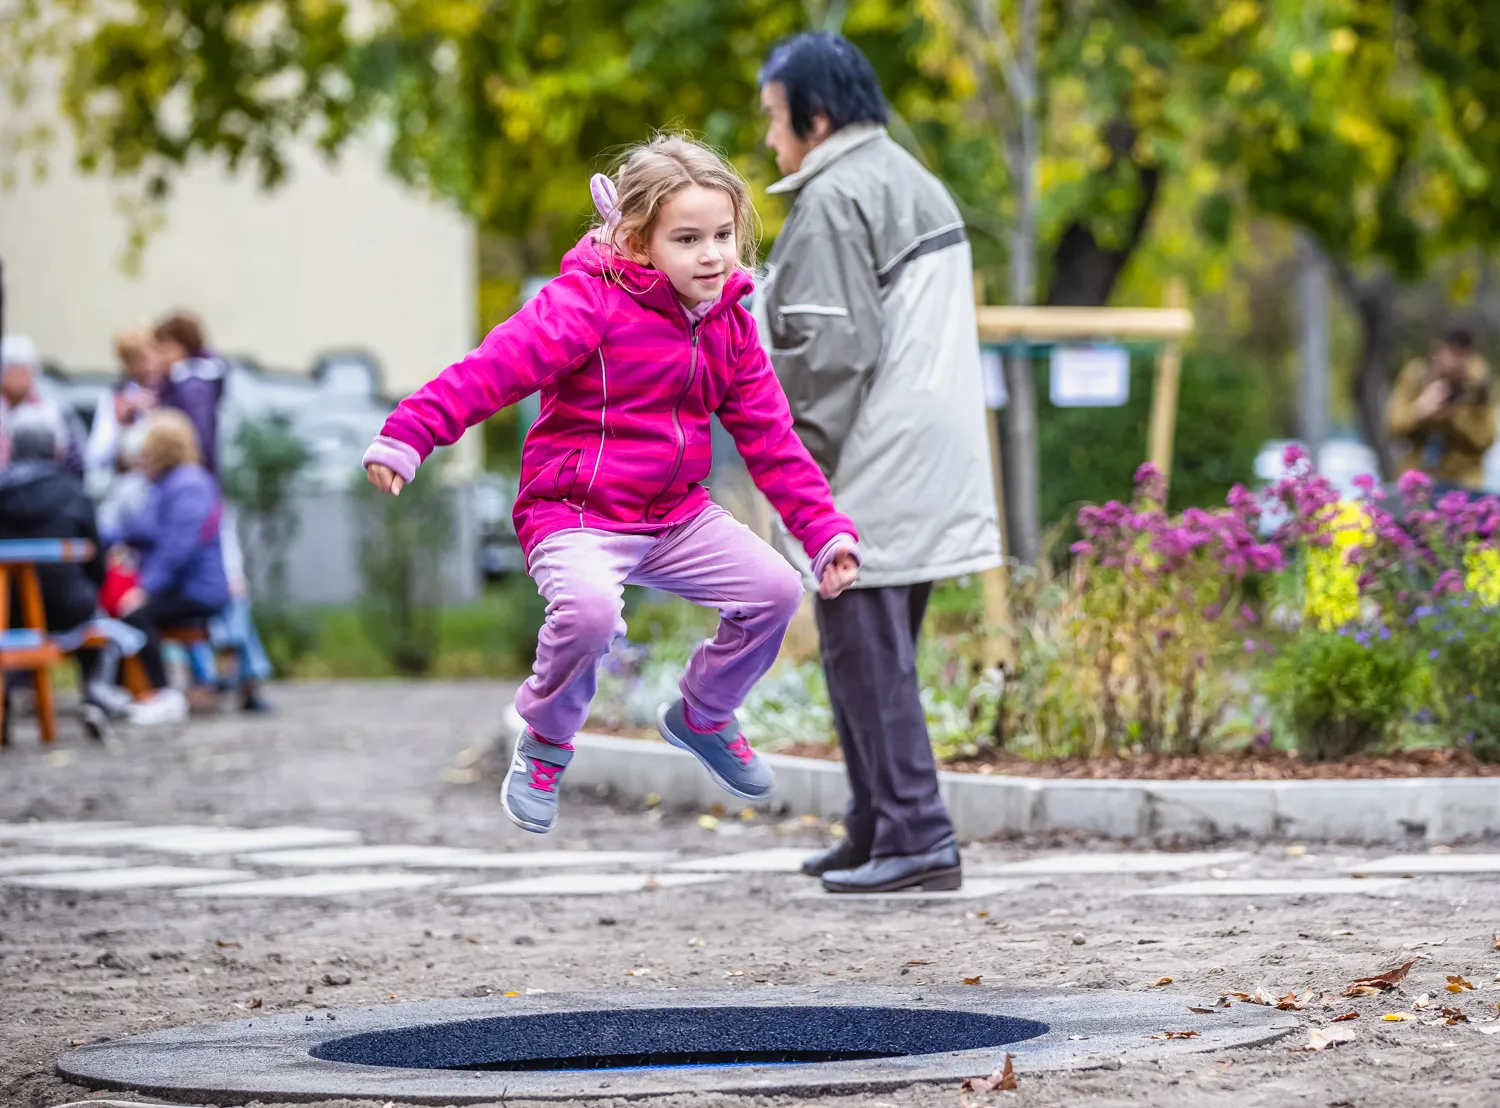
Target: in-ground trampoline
[(638, 1042)]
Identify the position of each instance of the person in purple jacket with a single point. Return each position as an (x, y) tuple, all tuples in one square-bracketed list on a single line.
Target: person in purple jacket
[(181, 562), (194, 382)]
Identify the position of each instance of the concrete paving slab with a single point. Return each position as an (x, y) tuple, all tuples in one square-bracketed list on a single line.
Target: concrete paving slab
[(1312, 886), (40, 830), (1085, 865), (237, 840), (53, 863), (973, 889), (448, 857), (316, 885), (129, 877), (118, 835), (1401, 865), (586, 884), (779, 859)]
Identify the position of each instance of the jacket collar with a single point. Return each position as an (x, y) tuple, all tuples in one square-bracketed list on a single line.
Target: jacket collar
[(649, 286), (830, 150)]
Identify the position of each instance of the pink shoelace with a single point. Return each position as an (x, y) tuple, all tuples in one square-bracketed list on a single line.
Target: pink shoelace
[(543, 776), (740, 748)]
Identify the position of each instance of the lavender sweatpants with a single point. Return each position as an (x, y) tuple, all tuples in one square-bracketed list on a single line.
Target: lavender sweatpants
[(712, 560)]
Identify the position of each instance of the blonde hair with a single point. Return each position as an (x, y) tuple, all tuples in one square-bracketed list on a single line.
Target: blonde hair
[(171, 441), (132, 340), (649, 175)]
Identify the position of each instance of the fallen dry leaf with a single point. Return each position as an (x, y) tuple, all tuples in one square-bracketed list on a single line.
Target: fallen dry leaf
[(1381, 982), (918, 962), (652, 885), (973, 980), (223, 943), (512, 992), (1456, 984), (1237, 996), (1292, 1002), (1363, 990), (1421, 1002), (643, 971), (1160, 981), (1003, 1080), (1454, 1015), (708, 823), (1397, 1017), (1345, 1016), (1495, 937), (735, 973), (1204, 1011), (1324, 1037), (1176, 1035)]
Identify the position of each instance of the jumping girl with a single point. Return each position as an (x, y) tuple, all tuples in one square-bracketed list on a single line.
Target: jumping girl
[(632, 348)]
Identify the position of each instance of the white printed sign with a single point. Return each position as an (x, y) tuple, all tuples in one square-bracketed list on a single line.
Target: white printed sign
[(992, 371), (1090, 376)]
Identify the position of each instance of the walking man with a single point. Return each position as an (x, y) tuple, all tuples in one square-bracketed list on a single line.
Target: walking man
[(868, 307)]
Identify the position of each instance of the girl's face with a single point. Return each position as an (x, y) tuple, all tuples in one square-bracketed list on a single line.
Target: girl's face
[(693, 243)]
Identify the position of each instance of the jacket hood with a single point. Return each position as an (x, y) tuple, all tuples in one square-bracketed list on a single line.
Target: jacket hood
[(33, 489), (647, 285)]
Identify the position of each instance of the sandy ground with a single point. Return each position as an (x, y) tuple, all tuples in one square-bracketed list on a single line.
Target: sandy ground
[(77, 968)]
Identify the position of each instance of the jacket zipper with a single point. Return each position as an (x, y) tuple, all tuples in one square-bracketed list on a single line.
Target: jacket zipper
[(687, 386)]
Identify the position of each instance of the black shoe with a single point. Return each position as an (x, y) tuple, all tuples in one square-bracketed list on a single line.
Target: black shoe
[(938, 870), (256, 705), (842, 856)]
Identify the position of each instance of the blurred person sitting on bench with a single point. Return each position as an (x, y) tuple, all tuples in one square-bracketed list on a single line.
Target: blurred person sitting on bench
[(1443, 410), (194, 381), (40, 499), (180, 576)]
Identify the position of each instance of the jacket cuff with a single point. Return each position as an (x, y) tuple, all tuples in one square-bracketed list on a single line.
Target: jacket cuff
[(835, 546), (395, 455)]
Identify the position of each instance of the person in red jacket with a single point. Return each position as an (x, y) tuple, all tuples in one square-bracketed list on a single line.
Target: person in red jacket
[(633, 347)]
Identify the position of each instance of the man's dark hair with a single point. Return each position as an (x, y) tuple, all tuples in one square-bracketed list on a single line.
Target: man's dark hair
[(184, 330), (825, 74), (1458, 338)]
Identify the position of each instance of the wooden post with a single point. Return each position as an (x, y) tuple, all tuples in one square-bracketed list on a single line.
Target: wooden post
[(998, 649), (1164, 393)]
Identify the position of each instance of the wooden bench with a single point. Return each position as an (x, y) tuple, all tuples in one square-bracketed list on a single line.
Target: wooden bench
[(28, 648)]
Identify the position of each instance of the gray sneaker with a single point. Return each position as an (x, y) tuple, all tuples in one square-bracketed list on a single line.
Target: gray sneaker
[(725, 754), (529, 792)]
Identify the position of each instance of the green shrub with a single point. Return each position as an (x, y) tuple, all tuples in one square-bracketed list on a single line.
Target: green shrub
[(402, 541), (268, 459), (1340, 693), (1463, 641)]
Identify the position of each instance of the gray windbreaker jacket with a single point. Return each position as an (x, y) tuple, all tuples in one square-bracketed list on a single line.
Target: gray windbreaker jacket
[(867, 309)]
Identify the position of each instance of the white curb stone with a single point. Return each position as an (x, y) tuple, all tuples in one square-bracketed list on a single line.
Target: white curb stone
[(1416, 811)]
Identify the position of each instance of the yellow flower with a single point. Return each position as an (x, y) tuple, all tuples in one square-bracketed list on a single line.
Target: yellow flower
[(1332, 582), (1482, 574)]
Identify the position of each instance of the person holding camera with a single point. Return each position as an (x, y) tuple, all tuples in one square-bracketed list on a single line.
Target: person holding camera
[(1443, 411)]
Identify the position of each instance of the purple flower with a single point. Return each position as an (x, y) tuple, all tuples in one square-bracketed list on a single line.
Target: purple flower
[(1432, 654), (1415, 485), (1293, 455), (1365, 483), (1249, 646)]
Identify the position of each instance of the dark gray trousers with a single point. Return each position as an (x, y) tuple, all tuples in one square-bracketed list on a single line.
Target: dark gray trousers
[(869, 645)]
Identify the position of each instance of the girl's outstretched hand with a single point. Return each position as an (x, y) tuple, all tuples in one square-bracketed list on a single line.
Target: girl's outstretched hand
[(385, 478), (838, 575)]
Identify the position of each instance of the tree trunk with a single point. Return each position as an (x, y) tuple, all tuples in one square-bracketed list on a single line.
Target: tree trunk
[(1374, 301), (1022, 455), (1084, 273)]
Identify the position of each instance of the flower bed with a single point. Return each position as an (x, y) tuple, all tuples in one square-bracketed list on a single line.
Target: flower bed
[(1285, 635)]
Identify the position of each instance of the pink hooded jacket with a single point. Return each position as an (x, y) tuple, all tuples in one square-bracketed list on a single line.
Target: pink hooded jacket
[(628, 381)]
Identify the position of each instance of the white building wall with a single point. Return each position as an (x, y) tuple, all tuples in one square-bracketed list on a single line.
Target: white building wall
[(336, 258)]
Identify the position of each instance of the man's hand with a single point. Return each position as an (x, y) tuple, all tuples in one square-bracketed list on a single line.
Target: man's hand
[(1433, 399), (384, 478), (838, 575)]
